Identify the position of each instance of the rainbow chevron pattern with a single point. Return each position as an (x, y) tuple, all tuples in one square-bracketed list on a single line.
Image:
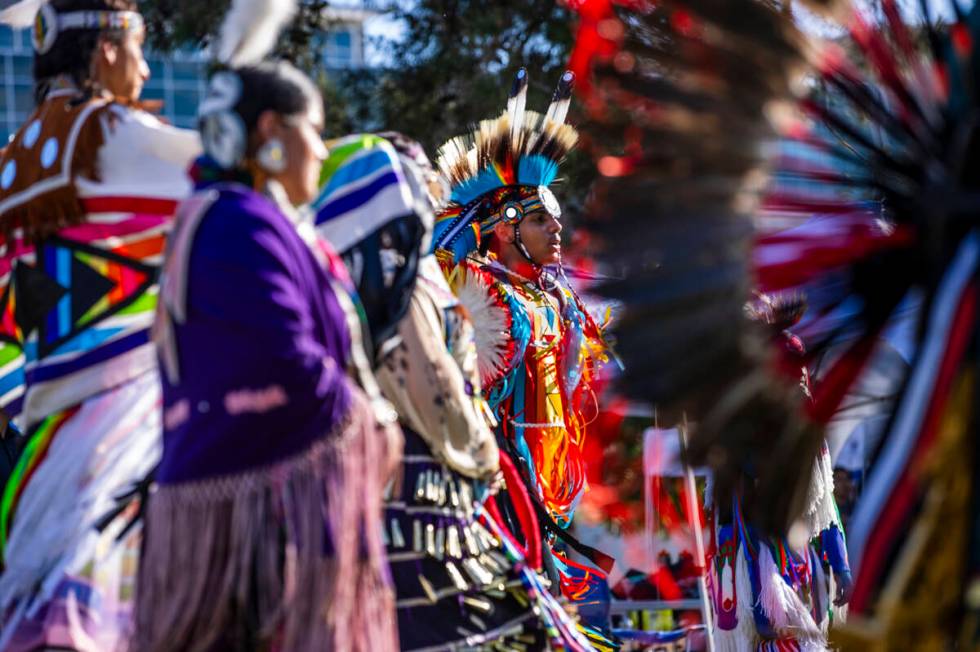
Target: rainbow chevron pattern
[(82, 299)]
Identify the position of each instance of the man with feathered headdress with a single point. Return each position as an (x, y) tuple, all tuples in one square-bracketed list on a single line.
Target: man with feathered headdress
[(458, 581), (499, 241)]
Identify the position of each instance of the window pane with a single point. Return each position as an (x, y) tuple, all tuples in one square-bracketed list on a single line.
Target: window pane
[(186, 71), (341, 39), (338, 49), (22, 42), (157, 70), (24, 97), (23, 67), (185, 103)]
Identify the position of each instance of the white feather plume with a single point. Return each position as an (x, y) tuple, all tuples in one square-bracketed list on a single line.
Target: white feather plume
[(491, 327), (19, 15), (251, 28)]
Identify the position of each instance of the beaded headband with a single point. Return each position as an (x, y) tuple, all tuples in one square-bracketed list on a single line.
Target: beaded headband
[(48, 24)]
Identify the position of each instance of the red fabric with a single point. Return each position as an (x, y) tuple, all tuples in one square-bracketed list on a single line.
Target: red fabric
[(494, 511), (139, 205), (670, 516), (589, 44), (667, 586), (576, 587), (830, 391), (525, 511)]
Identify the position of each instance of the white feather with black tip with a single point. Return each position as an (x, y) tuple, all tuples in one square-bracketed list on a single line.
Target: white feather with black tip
[(516, 104), (562, 99), (250, 30)]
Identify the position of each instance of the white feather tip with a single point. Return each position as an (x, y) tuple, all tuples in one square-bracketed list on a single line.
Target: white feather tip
[(19, 15), (251, 29)]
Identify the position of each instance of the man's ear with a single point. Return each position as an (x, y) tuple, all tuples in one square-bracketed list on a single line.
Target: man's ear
[(108, 51), (504, 232)]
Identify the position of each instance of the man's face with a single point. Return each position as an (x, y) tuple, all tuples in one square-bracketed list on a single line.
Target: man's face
[(122, 70), (541, 236)]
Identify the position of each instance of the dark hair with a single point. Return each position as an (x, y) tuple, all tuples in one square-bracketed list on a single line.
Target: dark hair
[(71, 54), (486, 243), (274, 86)]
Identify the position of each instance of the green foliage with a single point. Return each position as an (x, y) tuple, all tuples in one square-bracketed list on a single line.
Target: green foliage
[(458, 57), (456, 63), (451, 66), (193, 24), (172, 24)]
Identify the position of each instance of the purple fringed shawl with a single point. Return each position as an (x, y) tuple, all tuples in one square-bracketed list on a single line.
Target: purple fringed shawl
[(264, 527)]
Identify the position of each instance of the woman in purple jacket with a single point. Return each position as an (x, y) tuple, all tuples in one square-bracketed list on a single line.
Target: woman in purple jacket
[(263, 530)]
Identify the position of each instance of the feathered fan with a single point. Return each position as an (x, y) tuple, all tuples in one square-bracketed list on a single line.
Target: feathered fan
[(872, 142), (679, 123)]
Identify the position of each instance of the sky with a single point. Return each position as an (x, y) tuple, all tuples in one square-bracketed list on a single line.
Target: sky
[(381, 26)]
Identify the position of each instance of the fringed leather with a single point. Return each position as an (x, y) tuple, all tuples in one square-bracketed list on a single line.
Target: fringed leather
[(288, 557)]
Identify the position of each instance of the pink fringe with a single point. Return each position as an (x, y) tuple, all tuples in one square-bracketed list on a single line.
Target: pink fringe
[(293, 549)]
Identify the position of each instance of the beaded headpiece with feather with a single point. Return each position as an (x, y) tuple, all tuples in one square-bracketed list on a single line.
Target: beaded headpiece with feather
[(248, 35), (502, 170)]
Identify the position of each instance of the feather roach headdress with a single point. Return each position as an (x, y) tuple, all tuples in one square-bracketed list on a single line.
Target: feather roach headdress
[(501, 171)]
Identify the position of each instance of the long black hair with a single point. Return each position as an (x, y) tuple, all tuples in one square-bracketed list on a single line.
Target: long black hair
[(71, 54)]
